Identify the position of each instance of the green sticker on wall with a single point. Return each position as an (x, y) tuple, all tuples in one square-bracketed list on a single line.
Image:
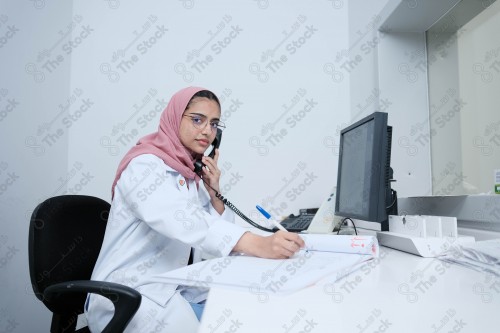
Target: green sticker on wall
[(496, 181)]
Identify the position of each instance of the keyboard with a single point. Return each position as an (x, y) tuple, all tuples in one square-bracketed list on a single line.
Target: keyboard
[(297, 223)]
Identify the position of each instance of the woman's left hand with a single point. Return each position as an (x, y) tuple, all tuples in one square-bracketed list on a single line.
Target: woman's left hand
[(211, 175)]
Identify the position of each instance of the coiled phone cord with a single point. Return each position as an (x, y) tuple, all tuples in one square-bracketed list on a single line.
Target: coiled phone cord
[(236, 210)]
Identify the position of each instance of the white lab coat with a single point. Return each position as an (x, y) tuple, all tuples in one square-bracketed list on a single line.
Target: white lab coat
[(154, 221)]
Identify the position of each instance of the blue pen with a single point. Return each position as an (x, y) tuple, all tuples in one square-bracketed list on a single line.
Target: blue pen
[(268, 216)]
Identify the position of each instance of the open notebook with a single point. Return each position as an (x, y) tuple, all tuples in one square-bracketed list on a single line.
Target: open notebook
[(326, 258)]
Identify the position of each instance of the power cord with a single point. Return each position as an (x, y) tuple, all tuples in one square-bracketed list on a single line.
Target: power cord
[(342, 223), (394, 194)]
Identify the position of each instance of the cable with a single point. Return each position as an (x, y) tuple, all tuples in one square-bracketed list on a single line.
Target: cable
[(341, 223), (394, 194), (236, 210)]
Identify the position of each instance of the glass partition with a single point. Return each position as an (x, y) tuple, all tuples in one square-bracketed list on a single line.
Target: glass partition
[(463, 58)]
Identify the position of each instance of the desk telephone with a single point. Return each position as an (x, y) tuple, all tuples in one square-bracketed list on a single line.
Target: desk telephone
[(298, 223)]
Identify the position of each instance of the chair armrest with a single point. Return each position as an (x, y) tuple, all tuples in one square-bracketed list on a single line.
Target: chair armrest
[(125, 299)]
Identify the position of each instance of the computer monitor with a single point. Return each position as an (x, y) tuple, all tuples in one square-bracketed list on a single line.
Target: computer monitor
[(364, 176)]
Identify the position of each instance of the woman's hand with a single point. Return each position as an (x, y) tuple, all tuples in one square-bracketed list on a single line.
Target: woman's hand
[(280, 245), (211, 175)]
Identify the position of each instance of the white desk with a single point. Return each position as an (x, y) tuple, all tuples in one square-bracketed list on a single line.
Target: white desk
[(397, 292)]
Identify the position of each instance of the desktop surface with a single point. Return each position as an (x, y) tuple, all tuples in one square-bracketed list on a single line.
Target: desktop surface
[(397, 292)]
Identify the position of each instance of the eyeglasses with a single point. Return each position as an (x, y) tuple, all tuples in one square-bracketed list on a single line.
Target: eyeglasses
[(200, 121)]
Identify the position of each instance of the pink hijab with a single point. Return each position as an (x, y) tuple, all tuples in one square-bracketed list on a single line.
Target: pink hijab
[(166, 143)]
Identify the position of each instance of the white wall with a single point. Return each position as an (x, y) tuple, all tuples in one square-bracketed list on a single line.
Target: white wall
[(386, 76), (30, 170), (261, 78), (404, 83)]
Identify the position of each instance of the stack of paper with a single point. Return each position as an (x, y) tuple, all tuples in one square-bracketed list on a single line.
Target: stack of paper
[(342, 243), (321, 259), (483, 256)]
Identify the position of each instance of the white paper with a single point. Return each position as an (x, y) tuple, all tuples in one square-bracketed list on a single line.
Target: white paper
[(481, 256), (342, 243), (264, 276)]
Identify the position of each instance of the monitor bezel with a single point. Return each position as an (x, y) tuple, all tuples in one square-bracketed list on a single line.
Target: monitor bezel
[(377, 210)]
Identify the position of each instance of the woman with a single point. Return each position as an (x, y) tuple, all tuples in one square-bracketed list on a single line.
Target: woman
[(160, 210)]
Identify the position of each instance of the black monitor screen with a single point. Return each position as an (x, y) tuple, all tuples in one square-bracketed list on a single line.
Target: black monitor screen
[(363, 184), (355, 169)]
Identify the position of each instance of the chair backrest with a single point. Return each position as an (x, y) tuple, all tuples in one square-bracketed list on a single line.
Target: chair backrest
[(65, 237)]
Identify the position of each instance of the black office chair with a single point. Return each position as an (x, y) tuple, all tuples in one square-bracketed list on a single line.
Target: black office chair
[(65, 237)]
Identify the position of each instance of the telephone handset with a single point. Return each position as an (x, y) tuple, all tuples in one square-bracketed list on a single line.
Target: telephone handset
[(198, 164), (198, 168)]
